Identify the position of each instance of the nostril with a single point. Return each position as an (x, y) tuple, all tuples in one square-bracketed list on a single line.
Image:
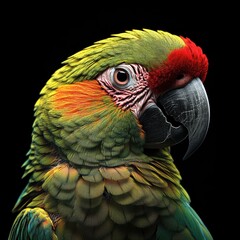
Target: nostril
[(181, 80), (180, 76)]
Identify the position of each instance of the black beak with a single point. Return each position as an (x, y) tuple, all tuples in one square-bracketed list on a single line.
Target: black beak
[(189, 109)]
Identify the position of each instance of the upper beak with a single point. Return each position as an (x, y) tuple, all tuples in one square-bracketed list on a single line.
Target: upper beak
[(188, 106)]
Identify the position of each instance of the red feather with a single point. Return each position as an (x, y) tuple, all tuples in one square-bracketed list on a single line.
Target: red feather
[(186, 61)]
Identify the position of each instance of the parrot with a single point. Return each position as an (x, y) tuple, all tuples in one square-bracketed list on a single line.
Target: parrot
[(100, 163)]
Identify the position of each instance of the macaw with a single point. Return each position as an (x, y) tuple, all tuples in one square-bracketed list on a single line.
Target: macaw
[(100, 164)]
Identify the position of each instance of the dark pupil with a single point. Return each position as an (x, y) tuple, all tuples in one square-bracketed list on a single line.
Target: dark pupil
[(121, 76)]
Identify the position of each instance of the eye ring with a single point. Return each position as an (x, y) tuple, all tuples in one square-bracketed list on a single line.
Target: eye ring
[(121, 77)]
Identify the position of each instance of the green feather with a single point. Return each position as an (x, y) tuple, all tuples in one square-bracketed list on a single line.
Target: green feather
[(89, 62), (183, 224), (32, 224)]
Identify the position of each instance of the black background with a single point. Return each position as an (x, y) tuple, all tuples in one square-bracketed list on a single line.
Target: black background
[(36, 39)]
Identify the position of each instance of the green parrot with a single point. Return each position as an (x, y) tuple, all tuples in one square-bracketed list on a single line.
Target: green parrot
[(100, 164)]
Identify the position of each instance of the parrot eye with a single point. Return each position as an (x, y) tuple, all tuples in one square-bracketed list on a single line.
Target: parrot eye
[(121, 77)]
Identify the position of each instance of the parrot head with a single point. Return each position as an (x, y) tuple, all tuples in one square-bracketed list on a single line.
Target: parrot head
[(137, 90)]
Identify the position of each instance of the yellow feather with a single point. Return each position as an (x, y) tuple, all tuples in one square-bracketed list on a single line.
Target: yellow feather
[(147, 219), (139, 178), (115, 174), (117, 188), (120, 214), (97, 215), (89, 190), (93, 176)]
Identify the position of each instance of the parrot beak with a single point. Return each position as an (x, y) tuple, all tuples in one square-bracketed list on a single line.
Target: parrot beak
[(189, 112)]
